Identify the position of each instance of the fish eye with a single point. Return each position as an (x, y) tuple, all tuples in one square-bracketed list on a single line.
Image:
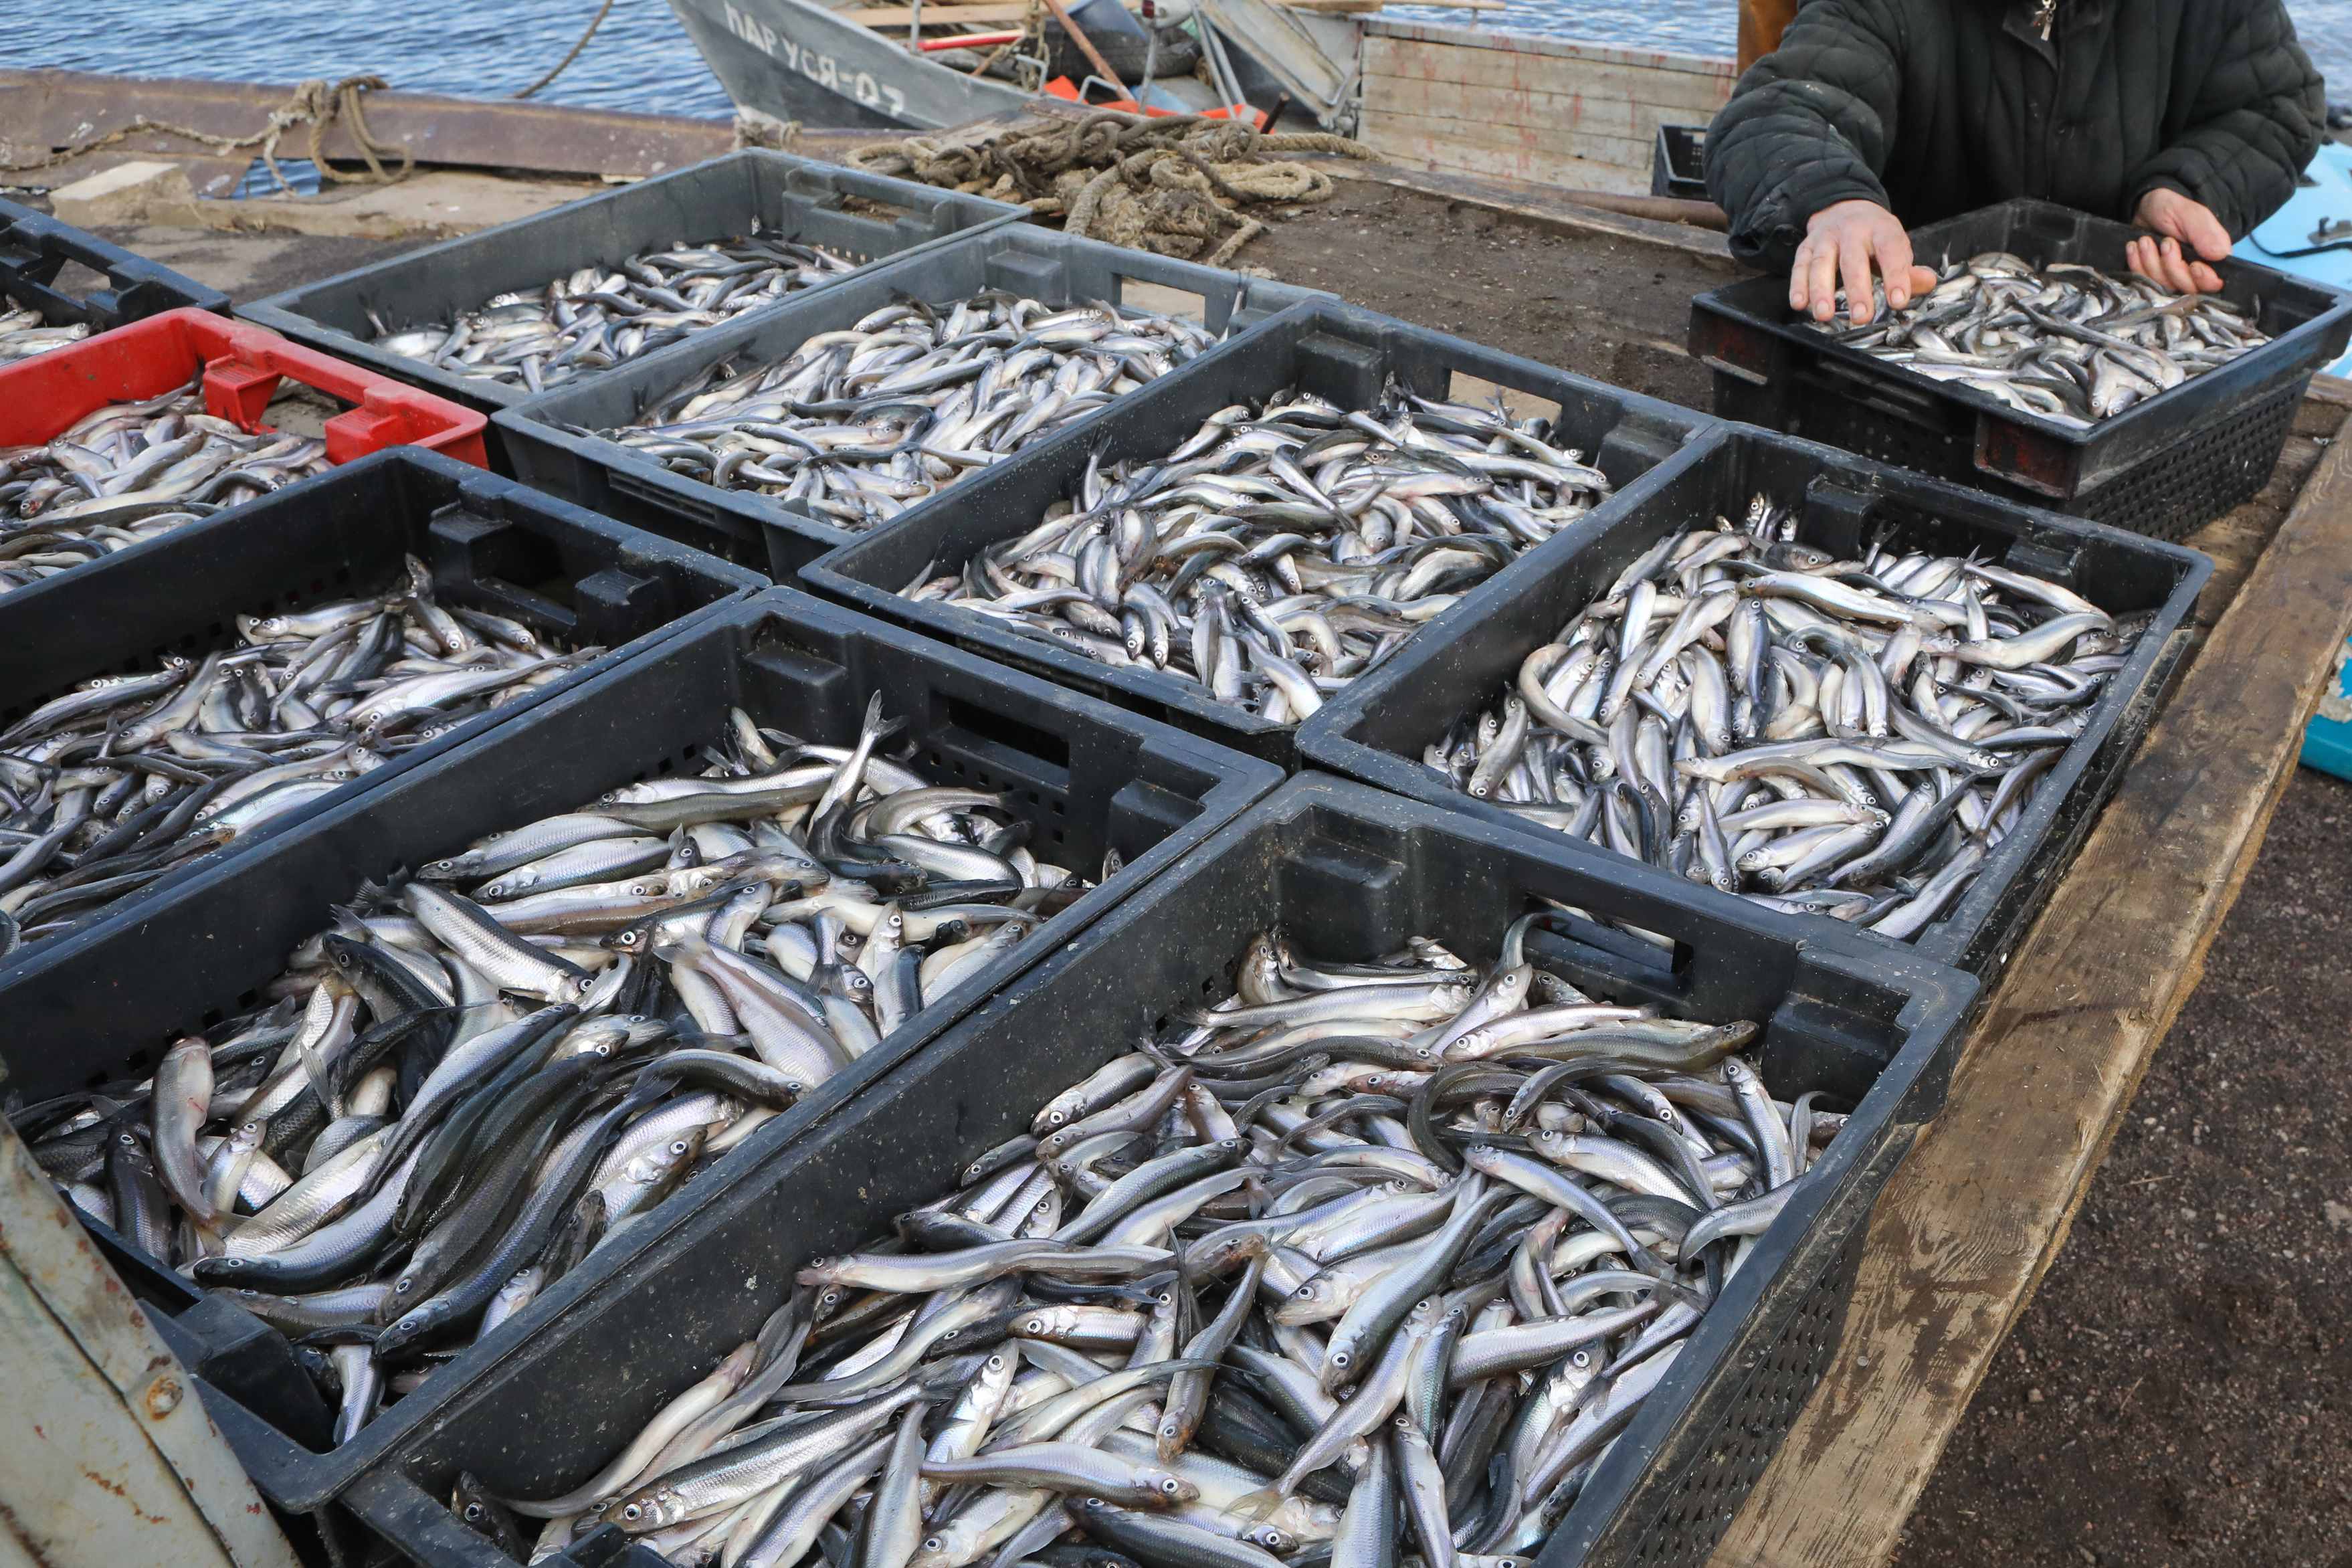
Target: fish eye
[(633, 1513), (1340, 1358), (935, 1545), (1170, 1485), (995, 1364), (473, 1512), (677, 1147), (1580, 1360)]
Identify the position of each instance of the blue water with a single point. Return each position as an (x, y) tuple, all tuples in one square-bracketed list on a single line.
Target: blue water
[(640, 58)]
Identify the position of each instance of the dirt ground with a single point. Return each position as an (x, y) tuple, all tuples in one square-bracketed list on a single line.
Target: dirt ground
[(1581, 302), (2177, 1392)]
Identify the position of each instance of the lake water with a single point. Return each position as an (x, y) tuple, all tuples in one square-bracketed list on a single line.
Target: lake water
[(640, 58)]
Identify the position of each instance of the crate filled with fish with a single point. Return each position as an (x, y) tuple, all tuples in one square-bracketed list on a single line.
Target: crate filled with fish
[(1829, 688), (491, 319), (1377, 1181), (214, 685), (37, 315), (423, 1067), (1232, 551), (878, 402), (2042, 369), (117, 440)]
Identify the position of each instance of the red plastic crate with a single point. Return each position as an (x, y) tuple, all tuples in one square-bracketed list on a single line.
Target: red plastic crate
[(42, 396)]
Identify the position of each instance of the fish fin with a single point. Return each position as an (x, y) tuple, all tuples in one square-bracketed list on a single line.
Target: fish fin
[(1258, 1505)]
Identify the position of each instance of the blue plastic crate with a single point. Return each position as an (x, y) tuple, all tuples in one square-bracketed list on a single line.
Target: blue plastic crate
[(2327, 741)]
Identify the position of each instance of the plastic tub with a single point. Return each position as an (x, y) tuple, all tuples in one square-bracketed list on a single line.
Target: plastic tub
[(490, 543), (1337, 351), (794, 198), (1377, 730), (1085, 776), (35, 249), (241, 366), (761, 531), (2161, 468), (1350, 872)]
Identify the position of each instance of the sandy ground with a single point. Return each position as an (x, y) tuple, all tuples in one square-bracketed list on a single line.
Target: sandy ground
[(1604, 307), (2176, 1392)]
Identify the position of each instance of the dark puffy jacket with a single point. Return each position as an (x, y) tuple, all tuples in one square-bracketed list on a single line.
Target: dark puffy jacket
[(1934, 108)]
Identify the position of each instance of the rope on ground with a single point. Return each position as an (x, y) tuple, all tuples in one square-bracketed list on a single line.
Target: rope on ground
[(602, 12), (313, 101), (1177, 185)]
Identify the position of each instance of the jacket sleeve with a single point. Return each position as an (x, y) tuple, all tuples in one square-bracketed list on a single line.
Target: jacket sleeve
[(1808, 126), (2253, 123)]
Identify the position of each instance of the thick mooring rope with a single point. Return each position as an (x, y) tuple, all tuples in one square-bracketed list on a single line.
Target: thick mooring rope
[(1177, 184)]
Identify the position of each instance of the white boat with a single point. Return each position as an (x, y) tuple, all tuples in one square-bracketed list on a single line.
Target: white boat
[(1471, 100)]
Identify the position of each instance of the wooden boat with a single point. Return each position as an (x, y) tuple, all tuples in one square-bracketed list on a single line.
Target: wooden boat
[(1478, 101)]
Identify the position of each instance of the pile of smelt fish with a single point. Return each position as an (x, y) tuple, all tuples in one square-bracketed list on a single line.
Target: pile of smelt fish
[(2067, 343), (1850, 737), (599, 317), (24, 333), (476, 1075), (1366, 1242), (1276, 557), (116, 783), (128, 472), (854, 427)]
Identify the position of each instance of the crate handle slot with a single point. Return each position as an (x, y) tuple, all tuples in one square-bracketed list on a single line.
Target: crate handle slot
[(1738, 372)]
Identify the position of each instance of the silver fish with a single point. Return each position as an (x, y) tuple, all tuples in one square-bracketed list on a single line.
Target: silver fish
[(2066, 342), (1873, 732), (855, 426), (597, 317), (1591, 1304), (1288, 554)]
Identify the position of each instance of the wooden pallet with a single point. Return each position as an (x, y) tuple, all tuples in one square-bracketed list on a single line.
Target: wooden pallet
[(1967, 1228)]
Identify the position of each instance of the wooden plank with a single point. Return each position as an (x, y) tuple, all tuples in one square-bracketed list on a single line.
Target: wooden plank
[(1600, 162), (1555, 117), (1543, 44), (110, 1456), (1968, 1225), (1509, 69)]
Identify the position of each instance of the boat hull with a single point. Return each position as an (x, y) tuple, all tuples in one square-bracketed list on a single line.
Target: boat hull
[(798, 61)]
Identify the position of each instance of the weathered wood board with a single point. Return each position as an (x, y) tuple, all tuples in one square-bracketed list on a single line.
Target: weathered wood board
[(1521, 106)]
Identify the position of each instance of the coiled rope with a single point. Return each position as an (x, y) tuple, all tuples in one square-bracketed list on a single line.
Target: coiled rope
[(1177, 184)]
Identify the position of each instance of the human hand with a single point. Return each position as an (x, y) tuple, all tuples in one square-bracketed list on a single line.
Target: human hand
[(2178, 220), (1850, 237)]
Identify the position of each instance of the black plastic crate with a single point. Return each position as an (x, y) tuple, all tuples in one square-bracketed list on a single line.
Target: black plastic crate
[(1334, 350), (491, 544), (35, 249), (2161, 468), (1678, 162), (1350, 872), (726, 197), (764, 532), (1377, 730), (1086, 777)]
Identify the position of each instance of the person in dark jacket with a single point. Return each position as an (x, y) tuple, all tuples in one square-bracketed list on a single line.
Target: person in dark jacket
[(2190, 118)]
